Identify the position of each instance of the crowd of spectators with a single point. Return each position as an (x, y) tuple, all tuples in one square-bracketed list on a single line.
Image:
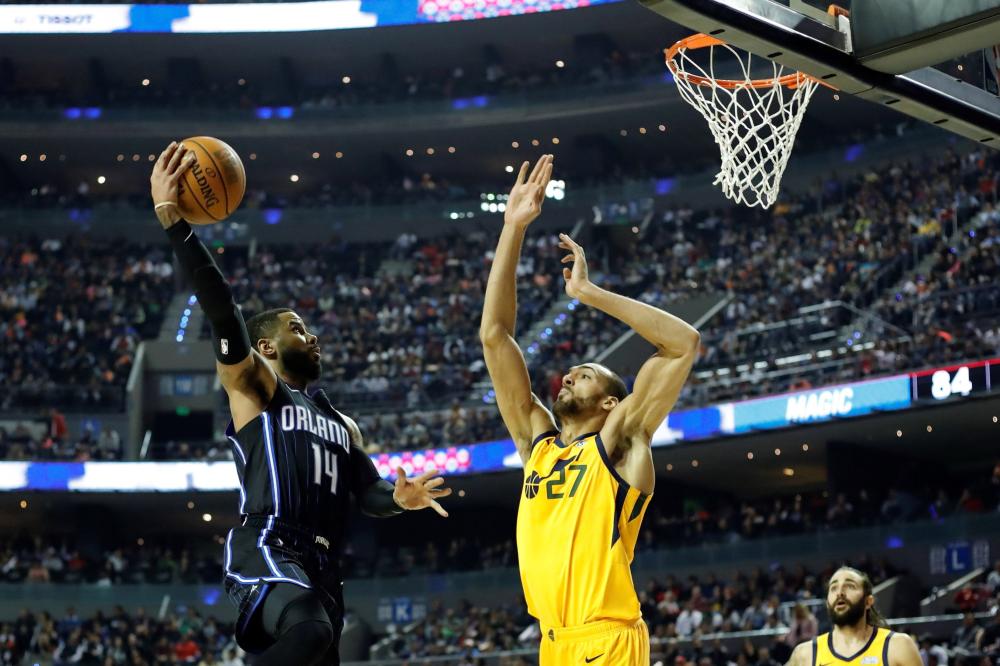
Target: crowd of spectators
[(52, 440), (34, 559), (716, 521), (685, 619), (782, 600), (404, 337), (395, 322), (837, 242), (118, 638), (398, 336), (72, 312), (685, 616)]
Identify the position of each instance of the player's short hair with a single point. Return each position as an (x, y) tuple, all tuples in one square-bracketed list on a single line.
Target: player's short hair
[(614, 385), (264, 325)]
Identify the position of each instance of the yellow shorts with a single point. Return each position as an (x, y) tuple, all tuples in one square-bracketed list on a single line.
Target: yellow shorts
[(597, 643)]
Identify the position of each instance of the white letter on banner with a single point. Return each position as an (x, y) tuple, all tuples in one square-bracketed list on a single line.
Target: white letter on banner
[(795, 410), (844, 403), (826, 403)]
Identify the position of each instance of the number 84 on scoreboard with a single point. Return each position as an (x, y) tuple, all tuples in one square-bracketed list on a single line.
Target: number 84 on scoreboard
[(956, 381)]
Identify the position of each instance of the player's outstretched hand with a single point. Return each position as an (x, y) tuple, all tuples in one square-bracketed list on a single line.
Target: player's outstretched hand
[(526, 197), (577, 279), (420, 492), (167, 173)]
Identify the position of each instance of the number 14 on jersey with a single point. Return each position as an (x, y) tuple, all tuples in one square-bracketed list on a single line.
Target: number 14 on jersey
[(324, 464)]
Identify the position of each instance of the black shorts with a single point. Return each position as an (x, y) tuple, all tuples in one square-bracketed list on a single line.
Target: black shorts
[(265, 552)]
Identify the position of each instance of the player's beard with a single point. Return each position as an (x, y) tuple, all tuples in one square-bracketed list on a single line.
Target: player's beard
[(849, 616), (301, 363), (572, 407)]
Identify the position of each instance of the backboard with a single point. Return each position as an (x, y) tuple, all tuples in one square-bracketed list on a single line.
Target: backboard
[(915, 65)]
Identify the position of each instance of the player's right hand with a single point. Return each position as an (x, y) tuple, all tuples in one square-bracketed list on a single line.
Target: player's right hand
[(168, 171), (526, 197)]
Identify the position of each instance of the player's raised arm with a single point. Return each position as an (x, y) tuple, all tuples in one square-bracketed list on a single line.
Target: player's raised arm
[(523, 413), (660, 379), (246, 376)]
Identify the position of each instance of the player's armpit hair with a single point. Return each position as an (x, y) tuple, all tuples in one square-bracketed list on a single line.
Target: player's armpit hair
[(377, 500), (229, 331)]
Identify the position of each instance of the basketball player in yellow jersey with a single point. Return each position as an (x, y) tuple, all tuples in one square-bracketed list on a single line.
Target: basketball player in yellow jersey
[(586, 485), (859, 636)]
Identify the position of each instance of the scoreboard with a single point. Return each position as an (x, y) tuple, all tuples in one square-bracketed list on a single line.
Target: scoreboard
[(955, 381)]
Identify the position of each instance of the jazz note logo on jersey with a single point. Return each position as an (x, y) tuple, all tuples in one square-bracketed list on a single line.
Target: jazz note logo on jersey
[(869, 661)]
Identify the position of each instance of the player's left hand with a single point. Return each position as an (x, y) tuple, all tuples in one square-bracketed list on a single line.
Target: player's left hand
[(577, 279), (420, 492)]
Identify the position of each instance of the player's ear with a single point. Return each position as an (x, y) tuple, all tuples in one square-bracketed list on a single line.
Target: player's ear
[(267, 348), (609, 403)]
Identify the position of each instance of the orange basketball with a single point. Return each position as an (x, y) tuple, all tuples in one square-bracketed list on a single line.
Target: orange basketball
[(214, 185)]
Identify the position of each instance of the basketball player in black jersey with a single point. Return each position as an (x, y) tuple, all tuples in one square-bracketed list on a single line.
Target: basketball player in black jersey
[(299, 461)]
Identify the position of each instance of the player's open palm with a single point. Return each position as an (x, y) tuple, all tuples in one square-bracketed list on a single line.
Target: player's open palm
[(577, 278), (526, 197), (420, 492)]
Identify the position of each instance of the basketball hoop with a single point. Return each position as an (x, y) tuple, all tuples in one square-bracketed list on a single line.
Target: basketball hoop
[(754, 121)]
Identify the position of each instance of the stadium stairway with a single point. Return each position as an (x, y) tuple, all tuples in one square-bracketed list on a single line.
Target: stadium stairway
[(182, 318), (924, 265), (533, 334)]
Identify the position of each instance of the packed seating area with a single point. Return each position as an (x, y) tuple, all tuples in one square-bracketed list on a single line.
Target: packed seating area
[(120, 637), (394, 318), (785, 600), (669, 524), (835, 243), (402, 335), (715, 521), (21, 443), (72, 312), (674, 609)]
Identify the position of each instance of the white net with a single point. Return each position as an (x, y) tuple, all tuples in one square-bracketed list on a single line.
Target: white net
[(754, 125)]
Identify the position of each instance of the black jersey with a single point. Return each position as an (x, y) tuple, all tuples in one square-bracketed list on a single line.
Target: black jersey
[(298, 466)]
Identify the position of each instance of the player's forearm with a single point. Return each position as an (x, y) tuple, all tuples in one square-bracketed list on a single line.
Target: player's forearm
[(662, 329), (214, 295), (500, 306), (378, 501)]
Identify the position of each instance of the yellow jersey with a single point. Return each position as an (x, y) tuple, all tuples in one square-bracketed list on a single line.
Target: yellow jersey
[(874, 653), (577, 525)]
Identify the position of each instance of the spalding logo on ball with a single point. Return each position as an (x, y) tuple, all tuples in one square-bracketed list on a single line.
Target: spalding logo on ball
[(214, 185)]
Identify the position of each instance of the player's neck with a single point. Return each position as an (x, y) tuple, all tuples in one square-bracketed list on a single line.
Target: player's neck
[(295, 382), (855, 635), (573, 429)]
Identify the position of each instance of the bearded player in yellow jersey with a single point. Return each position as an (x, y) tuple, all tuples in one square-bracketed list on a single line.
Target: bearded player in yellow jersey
[(859, 636), (587, 483)]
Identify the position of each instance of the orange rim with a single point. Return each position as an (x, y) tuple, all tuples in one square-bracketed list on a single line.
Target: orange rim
[(702, 41)]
